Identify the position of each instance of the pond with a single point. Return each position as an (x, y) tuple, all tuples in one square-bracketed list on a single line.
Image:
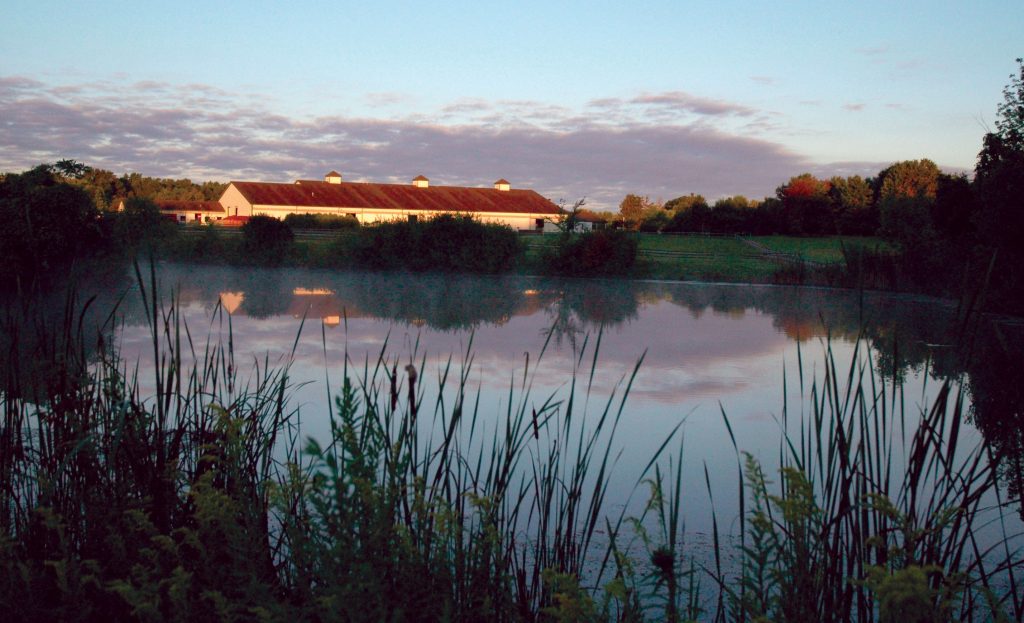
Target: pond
[(722, 367), (750, 352)]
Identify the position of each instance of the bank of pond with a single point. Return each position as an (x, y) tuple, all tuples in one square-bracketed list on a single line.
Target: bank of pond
[(255, 443)]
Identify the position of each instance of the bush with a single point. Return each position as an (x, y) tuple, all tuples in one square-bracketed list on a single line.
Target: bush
[(266, 240), (446, 243), (595, 253), (321, 221), (140, 225), (209, 246), (654, 223)]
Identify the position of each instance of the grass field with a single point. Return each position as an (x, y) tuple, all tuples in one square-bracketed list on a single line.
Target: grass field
[(827, 249), (729, 259), (693, 244), (719, 258)]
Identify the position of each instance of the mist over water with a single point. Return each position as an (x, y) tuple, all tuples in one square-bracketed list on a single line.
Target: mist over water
[(750, 351)]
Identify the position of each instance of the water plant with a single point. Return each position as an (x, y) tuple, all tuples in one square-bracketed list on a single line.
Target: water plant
[(193, 493)]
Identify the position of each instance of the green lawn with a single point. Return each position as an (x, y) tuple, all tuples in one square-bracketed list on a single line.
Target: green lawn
[(720, 268), (731, 260), (693, 244), (826, 249)]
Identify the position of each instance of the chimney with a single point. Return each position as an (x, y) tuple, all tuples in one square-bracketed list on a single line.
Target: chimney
[(420, 182), (333, 177), (502, 185)]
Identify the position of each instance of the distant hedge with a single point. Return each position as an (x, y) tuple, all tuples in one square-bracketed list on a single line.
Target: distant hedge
[(321, 221), (446, 243)]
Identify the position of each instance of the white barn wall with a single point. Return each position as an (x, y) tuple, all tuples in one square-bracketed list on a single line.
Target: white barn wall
[(234, 203), (367, 216)]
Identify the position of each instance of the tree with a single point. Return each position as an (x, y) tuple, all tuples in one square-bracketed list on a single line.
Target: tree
[(140, 225), (806, 207), (632, 209), (696, 218), (569, 218), (999, 186), (654, 219), (71, 169), (906, 194), (102, 185), (685, 202), (954, 207), (853, 205), (1010, 113), (737, 202), (731, 215), (44, 224), (909, 179)]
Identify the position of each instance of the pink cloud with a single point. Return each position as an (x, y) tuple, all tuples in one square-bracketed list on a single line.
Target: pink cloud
[(662, 144)]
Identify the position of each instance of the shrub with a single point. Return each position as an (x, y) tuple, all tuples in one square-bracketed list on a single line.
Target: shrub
[(208, 246), (321, 221), (140, 225), (446, 243), (601, 252), (266, 240), (654, 223)]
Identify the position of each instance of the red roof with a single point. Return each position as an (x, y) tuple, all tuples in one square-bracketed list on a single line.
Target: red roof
[(232, 221), (356, 195), (189, 206), (503, 181), (333, 174), (420, 178)]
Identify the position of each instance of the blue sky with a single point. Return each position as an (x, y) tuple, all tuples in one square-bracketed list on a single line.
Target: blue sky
[(573, 99)]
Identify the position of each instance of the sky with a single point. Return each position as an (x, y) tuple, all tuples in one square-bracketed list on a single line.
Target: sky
[(575, 100)]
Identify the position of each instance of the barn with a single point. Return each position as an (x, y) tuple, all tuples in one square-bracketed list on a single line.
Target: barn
[(520, 209)]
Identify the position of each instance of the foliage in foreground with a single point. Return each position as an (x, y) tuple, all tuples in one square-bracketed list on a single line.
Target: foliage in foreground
[(45, 225), (200, 502)]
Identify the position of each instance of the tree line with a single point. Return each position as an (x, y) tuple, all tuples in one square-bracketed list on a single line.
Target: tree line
[(105, 189), (806, 205)]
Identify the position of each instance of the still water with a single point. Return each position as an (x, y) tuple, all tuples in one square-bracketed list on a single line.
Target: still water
[(753, 353)]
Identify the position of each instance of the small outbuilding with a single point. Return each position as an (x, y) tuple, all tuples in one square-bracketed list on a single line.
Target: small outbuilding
[(186, 211)]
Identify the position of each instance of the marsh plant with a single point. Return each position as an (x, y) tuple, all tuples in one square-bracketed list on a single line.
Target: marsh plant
[(195, 495)]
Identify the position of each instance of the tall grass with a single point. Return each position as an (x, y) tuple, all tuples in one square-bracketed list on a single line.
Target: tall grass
[(191, 494), (879, 513), (190, 499)]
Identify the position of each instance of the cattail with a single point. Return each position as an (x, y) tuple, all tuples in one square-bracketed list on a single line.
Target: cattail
[(411, 371)]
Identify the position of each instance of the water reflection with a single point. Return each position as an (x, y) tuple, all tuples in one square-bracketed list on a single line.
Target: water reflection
[(909, 335), (704, 343)]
